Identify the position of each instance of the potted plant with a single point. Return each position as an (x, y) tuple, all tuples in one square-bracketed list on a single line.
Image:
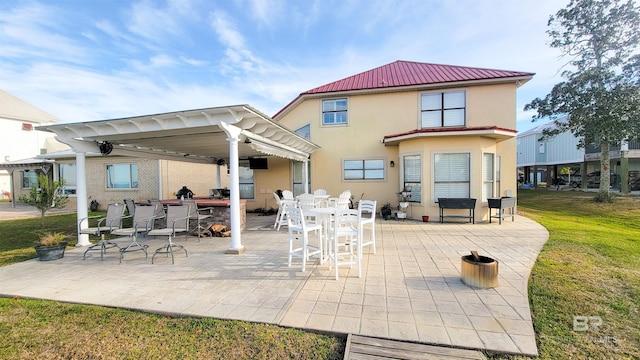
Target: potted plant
[(51, 246), (385, 211)]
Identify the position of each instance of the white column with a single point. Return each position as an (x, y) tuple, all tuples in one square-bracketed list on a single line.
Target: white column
[(81, 196), (234, 184)]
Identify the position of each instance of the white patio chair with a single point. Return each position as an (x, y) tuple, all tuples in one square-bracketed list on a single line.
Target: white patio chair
[(346, 237), (287, 195), (177, 222), (102, 224), (342, 201), (320, 192), (306, 201), (142, 222), (367, 210), (299, 231), (281, 215)]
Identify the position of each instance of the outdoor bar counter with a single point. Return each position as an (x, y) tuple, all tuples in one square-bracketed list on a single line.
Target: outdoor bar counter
[(220, 209)]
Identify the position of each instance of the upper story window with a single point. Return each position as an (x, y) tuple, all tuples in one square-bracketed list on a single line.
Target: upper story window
[(122, 176), (305, 132), (334, 112), (443, 109)]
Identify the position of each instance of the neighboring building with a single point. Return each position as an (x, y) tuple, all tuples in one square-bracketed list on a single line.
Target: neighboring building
[(543, 161), (115, 178), (438, 130), (20, 140), (25, 153)]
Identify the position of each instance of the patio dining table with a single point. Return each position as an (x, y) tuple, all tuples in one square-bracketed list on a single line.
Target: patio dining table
[(324, 215)]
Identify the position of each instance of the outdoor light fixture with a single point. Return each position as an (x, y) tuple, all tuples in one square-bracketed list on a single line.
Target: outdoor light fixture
[(220, 162), (105, 147), (392, 163)]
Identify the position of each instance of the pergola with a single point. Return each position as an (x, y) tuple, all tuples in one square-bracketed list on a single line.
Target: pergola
[(32, 164), (208, 136)]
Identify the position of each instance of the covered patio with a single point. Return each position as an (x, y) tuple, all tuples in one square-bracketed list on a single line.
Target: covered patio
[(410, 290), (219, 135)]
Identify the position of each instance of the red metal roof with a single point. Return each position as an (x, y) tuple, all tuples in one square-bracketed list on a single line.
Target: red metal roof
[(407, 73)]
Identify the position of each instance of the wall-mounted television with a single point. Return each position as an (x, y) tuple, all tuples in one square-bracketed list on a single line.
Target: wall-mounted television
[(258, 163)]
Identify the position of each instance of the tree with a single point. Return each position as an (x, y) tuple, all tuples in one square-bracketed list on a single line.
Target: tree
[(601, 94), (45, 195)]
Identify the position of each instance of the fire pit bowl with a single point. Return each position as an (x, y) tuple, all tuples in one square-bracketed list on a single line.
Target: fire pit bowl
[(479, 271)]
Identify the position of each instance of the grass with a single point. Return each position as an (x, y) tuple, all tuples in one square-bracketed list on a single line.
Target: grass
[(589, 268), (51, 330)]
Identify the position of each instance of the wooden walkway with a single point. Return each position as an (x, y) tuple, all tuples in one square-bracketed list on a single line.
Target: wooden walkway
[(368, 348)]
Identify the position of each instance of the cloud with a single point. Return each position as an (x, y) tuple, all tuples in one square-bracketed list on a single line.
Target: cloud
[(35, 31), (157, 23)]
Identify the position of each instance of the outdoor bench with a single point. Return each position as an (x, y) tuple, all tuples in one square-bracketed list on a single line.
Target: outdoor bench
[(458, 203), (501, 204)]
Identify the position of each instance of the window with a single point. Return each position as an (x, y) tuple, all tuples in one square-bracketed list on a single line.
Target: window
[(541, 148), (363, 169), (29, 179), (246, 180), (451, 175), (334, 112), (304, 131), (298, 185), (443, 109), (488, 176), (67, 174), (122, 176), (412, 170)]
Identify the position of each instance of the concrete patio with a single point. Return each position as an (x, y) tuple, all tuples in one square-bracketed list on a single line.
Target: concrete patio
[(410, 290)]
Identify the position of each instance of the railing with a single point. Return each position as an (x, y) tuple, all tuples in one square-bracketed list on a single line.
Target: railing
[(595, 149)]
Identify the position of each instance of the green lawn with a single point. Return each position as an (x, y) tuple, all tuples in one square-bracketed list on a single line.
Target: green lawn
[(589, 269)]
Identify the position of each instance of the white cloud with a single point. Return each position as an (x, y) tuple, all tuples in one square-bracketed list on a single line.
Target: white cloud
[(154, 22)]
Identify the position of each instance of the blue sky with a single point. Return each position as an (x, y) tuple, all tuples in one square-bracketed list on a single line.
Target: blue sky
[(90, 60)]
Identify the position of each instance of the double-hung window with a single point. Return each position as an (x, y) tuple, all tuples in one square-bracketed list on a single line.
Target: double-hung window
[(370, 169), (488, 176), (451, 175), (334, 112), (412, 170), (122, 176), (67, 174), (443, 109)]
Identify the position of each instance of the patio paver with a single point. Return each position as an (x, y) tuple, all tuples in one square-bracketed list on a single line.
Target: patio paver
[(410, 289)]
